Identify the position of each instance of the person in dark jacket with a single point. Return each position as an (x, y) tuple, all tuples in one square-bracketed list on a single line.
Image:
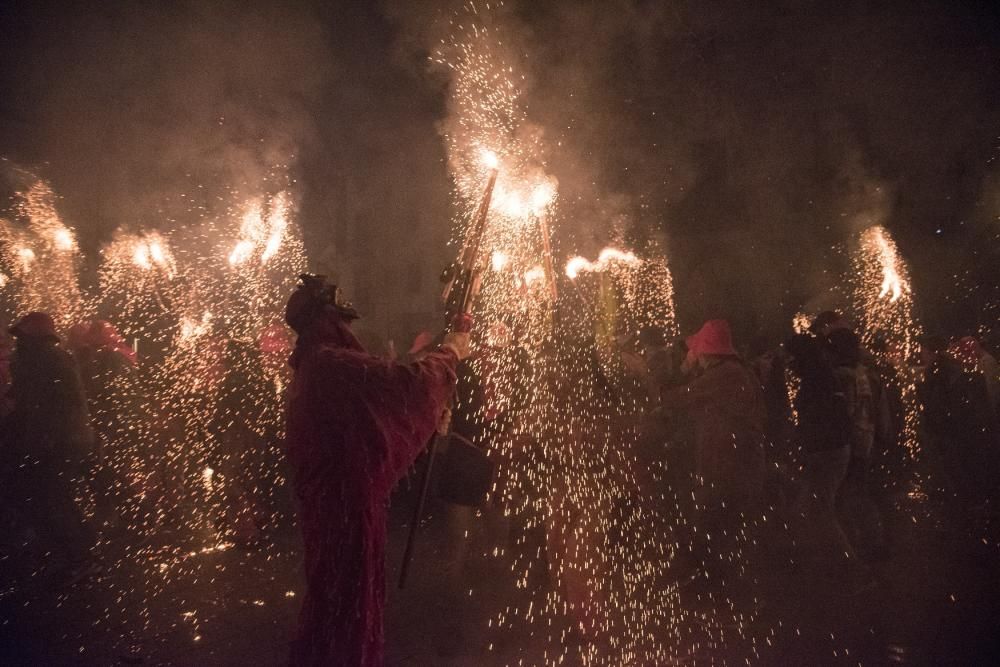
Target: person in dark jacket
[(857, 383), (48, 441), (956, 422), (823, 432)]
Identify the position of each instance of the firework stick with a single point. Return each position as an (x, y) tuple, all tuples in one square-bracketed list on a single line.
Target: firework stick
[(543, 223), (463, 284)]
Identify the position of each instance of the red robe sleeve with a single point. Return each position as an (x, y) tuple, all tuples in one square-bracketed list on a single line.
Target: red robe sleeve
[(401, 404)]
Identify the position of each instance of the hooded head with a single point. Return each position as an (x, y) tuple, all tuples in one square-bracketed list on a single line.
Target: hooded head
[(78, 337), (316, 313), (845, 347), (713, 339), (36, 327), (827, 321)]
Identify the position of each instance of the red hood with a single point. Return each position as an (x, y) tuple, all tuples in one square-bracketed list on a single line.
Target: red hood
[(713, 338)]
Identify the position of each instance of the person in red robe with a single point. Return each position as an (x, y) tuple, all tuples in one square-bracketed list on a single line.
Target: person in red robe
[(356, 423)]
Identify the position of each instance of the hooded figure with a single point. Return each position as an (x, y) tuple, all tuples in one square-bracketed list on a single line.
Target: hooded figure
[(726, 406), (356, 423), (48, 441)]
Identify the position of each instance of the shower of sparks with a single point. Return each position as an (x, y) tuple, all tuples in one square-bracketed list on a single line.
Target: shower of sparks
[(883, 301), (549, 360), (800, 325), (137, 286), (190, 432), (40, 259)]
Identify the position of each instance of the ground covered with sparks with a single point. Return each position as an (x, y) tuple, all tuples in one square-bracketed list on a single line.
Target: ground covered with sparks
[(935, 601)]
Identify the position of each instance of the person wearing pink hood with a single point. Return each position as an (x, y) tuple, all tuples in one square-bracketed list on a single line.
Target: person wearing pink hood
[(725, 404)]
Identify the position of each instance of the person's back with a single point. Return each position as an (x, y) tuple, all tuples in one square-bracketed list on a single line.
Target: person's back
[(50, 442), (49, 414), (854, 384), (824, 433), (730, 422), (726, 407)]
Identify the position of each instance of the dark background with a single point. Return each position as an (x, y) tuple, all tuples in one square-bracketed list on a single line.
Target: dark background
[(754, 138)]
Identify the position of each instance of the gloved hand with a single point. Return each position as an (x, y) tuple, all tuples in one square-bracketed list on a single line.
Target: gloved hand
[(462, 323), (457, 342), (444, 423)]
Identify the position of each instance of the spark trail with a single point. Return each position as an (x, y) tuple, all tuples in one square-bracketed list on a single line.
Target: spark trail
[(559, 408)]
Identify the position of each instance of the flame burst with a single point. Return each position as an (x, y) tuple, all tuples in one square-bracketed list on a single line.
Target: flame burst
[(605, 259), (40, 260), (883, 299)]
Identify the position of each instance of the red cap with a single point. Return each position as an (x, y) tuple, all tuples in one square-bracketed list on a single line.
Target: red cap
[(35, 325), (714, 337)]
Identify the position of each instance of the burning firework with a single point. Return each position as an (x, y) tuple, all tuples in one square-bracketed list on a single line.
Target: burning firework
[(606, 258), (567, 462), (40, 259), (883, 299), (138, 285)]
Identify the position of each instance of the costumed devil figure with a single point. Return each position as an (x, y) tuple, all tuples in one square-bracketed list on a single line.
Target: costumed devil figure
[(356, 423)]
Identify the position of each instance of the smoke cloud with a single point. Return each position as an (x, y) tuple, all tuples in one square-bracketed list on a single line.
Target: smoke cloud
[(750, 139)]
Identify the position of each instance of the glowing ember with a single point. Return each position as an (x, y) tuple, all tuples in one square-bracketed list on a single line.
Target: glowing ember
[(892, 284), (542, 197), (489, 159), (27, 257), (150, 251), (63, 239), (801, 323), (533, 275), (241, 253), (499, 260)]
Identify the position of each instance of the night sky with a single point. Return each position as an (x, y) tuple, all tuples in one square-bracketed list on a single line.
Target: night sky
[(752, 138)]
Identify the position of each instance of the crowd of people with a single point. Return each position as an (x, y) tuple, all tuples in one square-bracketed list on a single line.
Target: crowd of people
[(89, 444), (815, 430), (818, 431)]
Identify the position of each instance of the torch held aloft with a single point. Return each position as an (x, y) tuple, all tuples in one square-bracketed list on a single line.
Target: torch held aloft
[(462, 284)]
